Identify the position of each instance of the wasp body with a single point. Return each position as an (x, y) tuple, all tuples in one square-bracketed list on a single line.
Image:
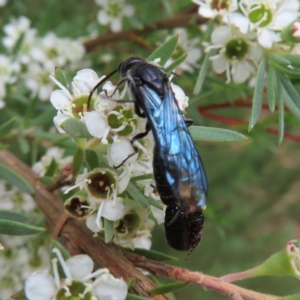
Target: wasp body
[(178, 170)]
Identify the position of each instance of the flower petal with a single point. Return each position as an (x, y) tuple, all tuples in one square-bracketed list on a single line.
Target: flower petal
[(113, 211), (40, 286), (108, 287), (95, 123), (80, 266)]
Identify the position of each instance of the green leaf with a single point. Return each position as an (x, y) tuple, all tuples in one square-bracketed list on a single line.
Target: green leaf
[(203, 71), (136, 195), (280, 117), (279, 59), (272, 87), (290, 104), (15, 179), (109, 230), (23, 144), (258, 94), (47, 180), (17, 228), (175, 64), (212, 134), (65, 254), (103, 161), (154, 203), (75, 128), (294, 59), (77, 161), (13, 216), (91, 159), (135, 297), (291, 72), (142, 177), (7, 127), (290, 89), (52, 168), (165, 51), (169, 288), (60, 76), (18, 44), (19, 295), (151, 254)]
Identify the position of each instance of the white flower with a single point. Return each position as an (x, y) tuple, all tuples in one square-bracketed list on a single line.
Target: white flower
[(238, 55), (79, 282), (212, 8), (112, 12), (53, 153), (180, 96), (3, 2), (188, 46), (269, 17), (14, 31)]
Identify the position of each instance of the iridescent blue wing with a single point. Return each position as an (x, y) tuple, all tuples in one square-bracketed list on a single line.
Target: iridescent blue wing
[(181, 162)]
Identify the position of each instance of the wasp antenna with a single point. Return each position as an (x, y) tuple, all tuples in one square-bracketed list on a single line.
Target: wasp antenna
[(98, 84)]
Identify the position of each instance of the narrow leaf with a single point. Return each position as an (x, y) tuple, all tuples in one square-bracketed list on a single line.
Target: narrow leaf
[(52, 168), (13, 216), (290, 297), (135, 297), (272, 87), (17, 228), (211, 134), (175, 64), (91, 159), (151, 254), (279, 59), (165, 51), (291, 72), (258, 94), (103, 161), (75, 128), (60, 76), (294, 59), (142, 177), (281, 116), (15, 179), (169, 288), (291, 104), (47, 180), (290, 89), (203, 71), (7, 127), (23, 144), (108, 230), (65, 254), (154, 203), (136, 195), (77, 161), (19, 296)]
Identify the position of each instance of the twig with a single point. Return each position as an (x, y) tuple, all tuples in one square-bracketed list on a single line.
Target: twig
[(181, 20), (205, 281), (77, 238)]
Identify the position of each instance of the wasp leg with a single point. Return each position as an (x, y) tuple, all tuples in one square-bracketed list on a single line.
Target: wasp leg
[(188, 122), (142, 134)]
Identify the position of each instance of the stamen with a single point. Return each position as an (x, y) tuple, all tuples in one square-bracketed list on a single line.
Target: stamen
[(55, 272), (62, 263), (104, 138), (120, 128), (228, 73), (95, 274), (140, 146), (61, 86), (67, 293), (99, 213)]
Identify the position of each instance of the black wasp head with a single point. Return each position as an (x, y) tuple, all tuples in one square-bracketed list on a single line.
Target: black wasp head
[(128, 64)]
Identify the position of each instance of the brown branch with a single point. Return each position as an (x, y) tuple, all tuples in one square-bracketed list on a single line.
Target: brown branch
[(180, 20), (205, 281), (75, 236)]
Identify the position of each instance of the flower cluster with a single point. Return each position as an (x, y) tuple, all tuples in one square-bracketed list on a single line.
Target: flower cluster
[(112, 13), (247, 28), (77, 282), (103, 192), (35, 58)]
